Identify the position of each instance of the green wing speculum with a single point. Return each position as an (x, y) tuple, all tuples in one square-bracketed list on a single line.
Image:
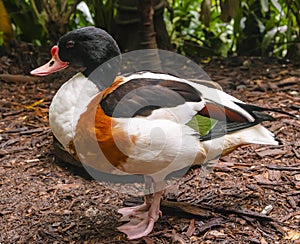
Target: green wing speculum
[(203, 125)]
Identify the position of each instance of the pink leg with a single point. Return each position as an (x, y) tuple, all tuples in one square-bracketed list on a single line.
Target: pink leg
[(143, 221), (140, 209)]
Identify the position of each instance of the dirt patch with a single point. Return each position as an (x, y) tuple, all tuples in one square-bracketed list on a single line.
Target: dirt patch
[(251, 196)]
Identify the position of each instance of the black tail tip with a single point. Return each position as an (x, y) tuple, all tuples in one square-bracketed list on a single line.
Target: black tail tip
[(280, 143)]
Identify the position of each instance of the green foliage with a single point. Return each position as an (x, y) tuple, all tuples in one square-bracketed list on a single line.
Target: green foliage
[(103, 12), (224, 27), (1, 38), (196, 27), (193, 37), (276, 23), (38, 21), (26, 24)]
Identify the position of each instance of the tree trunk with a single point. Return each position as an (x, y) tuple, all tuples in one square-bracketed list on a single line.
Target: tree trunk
[(127, 23), (146, 28), (147, 36)]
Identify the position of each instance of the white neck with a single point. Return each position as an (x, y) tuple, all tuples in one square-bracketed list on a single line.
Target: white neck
[(67, 106)]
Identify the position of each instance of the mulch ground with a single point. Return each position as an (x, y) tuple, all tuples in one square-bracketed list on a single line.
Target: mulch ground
[(250, 196)]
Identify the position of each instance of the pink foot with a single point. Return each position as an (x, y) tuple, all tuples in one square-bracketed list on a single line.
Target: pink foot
[(133, 211), (142, 218)]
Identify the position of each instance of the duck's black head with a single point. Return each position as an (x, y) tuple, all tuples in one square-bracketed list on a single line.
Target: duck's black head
[(86, 47)]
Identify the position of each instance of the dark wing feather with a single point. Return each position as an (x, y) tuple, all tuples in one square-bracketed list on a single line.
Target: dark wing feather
[(233, 121), (223, 113), (139, 97), (222, 128)]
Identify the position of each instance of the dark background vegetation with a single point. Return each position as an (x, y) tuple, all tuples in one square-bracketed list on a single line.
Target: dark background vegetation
[(195, 28)]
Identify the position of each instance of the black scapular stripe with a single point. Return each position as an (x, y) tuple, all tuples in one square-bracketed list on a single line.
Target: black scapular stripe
[(139, 97)]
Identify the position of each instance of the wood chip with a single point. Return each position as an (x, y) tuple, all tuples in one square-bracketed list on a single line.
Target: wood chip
[(292, 235), (297, 177), (66, 187), (28, 132), (270, 152), (51, 201), (267, 209), (191, 229), (288, 81), (209, 224), (286, 168)]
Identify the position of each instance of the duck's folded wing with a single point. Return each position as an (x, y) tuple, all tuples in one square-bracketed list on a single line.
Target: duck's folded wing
[(144, 96), (210, 112), (225, 120)]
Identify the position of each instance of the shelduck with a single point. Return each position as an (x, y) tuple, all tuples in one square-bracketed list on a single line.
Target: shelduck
[(134, 134)]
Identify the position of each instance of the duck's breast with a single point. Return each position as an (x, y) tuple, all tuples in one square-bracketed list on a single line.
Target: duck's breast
[(68, 104)]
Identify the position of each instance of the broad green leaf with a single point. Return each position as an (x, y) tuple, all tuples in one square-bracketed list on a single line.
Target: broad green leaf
[(201, 124)]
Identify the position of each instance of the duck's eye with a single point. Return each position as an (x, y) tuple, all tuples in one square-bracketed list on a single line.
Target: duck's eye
[(70, 44)]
